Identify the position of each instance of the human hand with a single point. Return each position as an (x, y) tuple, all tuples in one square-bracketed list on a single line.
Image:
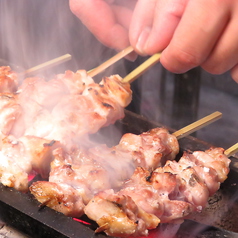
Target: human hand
[(106, 19), (189, 32)]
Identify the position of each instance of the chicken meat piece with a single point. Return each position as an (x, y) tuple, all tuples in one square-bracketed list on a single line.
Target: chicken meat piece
[(119, 215), (172, 192), (201, 174), (150, 194), (69, 117), (99, 168), (87, 172), (10, 112), (19, 157), (60, 197), (47, 93), (151, 149), (8, 80)]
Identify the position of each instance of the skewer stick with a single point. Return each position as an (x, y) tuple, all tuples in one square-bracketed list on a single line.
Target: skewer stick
[(232, 150), (47, 64), (197, 125), (110, 62), (142, 68)]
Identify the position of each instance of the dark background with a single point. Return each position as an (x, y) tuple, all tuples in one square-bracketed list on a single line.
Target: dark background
[(35, 31)]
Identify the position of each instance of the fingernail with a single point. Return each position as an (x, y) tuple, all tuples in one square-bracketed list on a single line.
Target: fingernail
[(141, 43), (131, 57)]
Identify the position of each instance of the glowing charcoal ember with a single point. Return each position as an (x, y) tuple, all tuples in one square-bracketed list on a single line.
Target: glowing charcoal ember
[(82, 221), (31, 176)]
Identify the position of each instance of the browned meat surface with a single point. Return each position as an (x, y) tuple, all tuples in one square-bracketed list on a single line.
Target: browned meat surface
[(64, 109), (10, 112), (47, 93), (19, 157), (92, 170), (170, 193), (151, 149), (60, 197), (55, 110), (8, 80), (118, 215)]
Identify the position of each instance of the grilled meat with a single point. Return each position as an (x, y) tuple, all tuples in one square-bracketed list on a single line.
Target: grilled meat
[(65, 108), (54, 110), (20, 157), (92, 170), (170, 193), (8, 80), (10, 112), (47, 93)]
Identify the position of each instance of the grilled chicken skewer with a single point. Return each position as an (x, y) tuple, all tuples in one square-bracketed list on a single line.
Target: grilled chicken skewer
[(82, 174), (71, 106), (8, 80), (20, 157), (71, 100), (64, 109), (167, 195)]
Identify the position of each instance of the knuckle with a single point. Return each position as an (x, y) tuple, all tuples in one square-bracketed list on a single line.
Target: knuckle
[(214, 67), (234, 73), (176, 8), (186, 58)]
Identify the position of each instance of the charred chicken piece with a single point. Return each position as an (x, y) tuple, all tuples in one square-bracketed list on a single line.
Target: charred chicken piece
[(151, 149), (60, 197), (47, 93), (54, 110), (95, 169), (20, 157), (10, 112), (170, 193), (8, 80), (118, 215)]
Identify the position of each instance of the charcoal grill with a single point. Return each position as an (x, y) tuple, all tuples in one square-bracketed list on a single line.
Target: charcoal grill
[(23, 212)]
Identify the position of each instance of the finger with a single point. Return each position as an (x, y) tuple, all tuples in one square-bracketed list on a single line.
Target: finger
[(123, 16), (234, 73), (225, 53), (196, 34), (129, 4), (99, 18), (141, 23), (152, 34)]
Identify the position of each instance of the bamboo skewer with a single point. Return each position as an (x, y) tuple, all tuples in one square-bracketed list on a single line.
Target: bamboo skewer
[(197, 125), (135, 73), (130, 78), (142, 68), (232, 150), (47, 64), (110, 62)]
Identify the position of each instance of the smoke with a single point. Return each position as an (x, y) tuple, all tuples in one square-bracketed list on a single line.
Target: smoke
[(33, 32)]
